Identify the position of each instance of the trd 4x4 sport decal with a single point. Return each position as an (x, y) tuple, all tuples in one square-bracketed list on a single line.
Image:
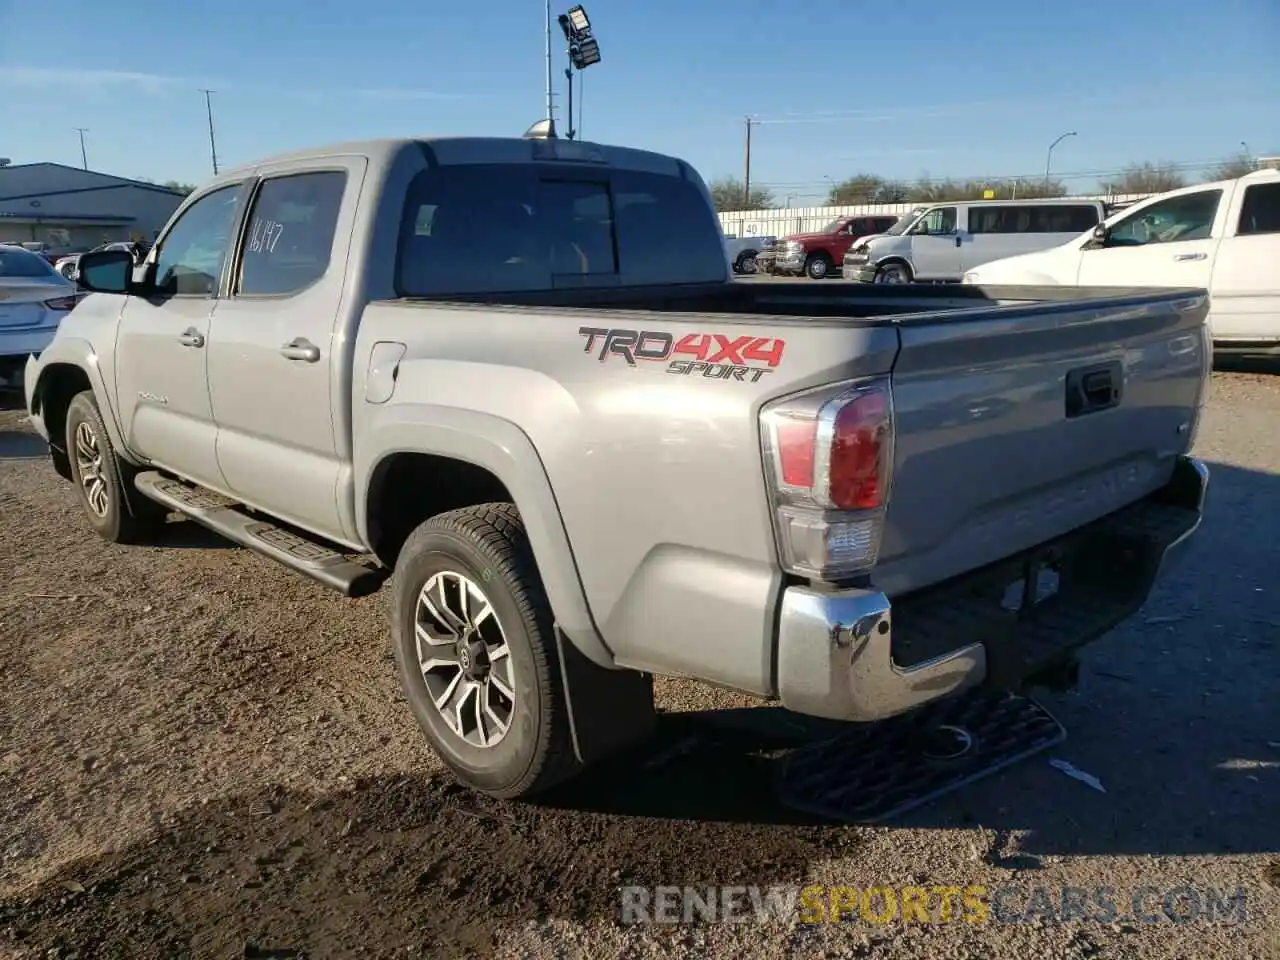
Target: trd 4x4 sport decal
[(709, 355)]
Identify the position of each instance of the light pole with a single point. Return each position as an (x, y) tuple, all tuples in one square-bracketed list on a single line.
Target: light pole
[(1247, 153), (213, 148), (1049, 159), (84, 158)]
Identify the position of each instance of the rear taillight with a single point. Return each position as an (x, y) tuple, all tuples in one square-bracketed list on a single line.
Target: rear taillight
[(829, 457), (62, 303)]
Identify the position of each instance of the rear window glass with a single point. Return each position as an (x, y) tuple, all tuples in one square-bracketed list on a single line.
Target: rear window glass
[(502, 228), (1260, 212), (16, 262)]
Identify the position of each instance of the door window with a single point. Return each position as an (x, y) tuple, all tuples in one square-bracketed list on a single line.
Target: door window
[(1187, 217), (291, 229), (940, 221), (190, 258), (1261, 210)]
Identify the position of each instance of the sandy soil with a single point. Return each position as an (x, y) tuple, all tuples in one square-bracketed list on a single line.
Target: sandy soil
[(203, 755)]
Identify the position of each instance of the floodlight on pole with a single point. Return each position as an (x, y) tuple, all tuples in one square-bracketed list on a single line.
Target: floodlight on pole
[(583, 49)]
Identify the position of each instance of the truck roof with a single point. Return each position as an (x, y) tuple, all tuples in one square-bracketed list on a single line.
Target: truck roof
[(452, 150)]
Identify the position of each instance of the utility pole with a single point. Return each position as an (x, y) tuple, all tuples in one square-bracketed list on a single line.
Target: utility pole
[(213, 147), (746, 178), (84, 158)]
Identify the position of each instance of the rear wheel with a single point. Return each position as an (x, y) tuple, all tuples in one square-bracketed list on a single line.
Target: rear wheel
[(476, 652), (746, 263), (115, 510)]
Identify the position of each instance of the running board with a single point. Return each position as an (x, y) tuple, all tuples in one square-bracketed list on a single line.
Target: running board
[(225, 517)]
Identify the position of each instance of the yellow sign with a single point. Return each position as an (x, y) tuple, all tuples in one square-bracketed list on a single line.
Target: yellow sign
[(988, 194)]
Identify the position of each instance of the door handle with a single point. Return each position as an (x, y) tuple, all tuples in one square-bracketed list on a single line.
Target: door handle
[(1190, 256), (300, 348), (191, 337)]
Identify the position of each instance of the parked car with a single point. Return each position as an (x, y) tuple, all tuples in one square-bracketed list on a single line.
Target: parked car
[(742, 251), (33, 301), (821, 254), (590, 457), (947, 239), (1224, 237)]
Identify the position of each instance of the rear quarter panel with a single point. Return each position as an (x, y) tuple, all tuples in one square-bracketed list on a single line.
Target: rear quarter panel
[(657, 476)]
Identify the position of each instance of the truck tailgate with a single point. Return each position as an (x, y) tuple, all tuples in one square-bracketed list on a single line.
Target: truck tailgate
[(1017, 428)]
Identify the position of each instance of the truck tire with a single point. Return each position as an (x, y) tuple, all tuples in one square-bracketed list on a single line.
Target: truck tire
[(475, 648), (115, 510), (817, 266), (746, 262)]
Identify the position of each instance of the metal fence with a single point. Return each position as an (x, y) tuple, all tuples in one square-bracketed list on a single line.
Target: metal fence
[(787, 221)]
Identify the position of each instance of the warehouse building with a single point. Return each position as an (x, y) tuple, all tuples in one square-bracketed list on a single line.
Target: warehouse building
[(66, 208)]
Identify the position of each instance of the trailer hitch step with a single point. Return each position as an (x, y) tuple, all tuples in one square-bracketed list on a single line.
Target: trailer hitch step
[(877, 771)]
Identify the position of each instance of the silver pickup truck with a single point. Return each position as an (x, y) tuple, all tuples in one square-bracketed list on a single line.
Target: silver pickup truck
[(515, 378)]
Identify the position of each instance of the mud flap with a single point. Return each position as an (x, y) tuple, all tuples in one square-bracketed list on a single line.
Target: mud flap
[(609, 710), (877, 771)]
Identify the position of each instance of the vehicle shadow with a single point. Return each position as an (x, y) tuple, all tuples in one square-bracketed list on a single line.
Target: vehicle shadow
[(1262, 363), (21, 445)]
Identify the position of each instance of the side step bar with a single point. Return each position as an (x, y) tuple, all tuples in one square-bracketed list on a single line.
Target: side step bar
[(308, 557)]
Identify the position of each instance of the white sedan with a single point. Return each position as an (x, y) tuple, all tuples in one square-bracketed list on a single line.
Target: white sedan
[(33, 301)]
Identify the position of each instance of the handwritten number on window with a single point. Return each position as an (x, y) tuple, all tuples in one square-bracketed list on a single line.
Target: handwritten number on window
[(265, 235)]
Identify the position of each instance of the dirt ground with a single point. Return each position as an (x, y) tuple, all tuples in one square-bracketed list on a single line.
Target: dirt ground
[(204, 755)]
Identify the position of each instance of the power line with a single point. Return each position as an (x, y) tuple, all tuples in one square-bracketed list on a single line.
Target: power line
[(1182, 166)]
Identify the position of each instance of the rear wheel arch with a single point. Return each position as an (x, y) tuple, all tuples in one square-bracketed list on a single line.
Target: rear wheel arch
[(58, 385), (454, 467)]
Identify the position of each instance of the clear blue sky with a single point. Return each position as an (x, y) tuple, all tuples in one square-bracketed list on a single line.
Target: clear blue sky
[(901, 89)]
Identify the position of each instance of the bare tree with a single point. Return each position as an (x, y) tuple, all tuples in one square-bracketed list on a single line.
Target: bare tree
[(860, 188), (727, 194), (1146, 178), (1237, 166)]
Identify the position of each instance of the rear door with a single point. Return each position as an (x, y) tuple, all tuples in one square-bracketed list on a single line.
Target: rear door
[(935, 245), (1246, 282), (1170, 243), (275, 367), (162, 342)]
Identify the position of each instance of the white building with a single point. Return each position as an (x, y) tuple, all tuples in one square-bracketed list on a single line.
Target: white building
[(69, 208)]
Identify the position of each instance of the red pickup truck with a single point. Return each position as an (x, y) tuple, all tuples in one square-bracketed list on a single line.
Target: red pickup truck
[(822, 253)]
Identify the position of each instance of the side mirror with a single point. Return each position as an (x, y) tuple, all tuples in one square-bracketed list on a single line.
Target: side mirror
[(1101, 234), (105, 271)]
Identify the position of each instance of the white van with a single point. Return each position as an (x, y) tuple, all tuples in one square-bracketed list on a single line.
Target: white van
[(1223, 237), (949, 239)]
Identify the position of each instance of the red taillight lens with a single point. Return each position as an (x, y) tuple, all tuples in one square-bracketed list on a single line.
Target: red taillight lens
[(62, 303), (857, 471), (797, 443)]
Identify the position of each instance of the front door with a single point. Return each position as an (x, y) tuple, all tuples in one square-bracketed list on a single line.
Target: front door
[(276, 364), (1167, 244), (162, 342), (935, 245)]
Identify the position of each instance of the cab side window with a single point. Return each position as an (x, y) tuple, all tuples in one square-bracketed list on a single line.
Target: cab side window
[(1188, 217), (190, 257), (291, 229), (1260, 212), (940, 221)]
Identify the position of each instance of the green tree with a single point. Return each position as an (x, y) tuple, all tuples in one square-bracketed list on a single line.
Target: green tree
[(184, 188), (728, 193)]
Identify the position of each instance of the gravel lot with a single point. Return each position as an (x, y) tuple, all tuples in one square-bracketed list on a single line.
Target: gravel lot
[(201, 754)]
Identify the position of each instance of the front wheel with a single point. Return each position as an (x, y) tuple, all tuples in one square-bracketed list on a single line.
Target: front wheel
[(476, 652), (817, 266), (746, 263), (117, 512), (893, 273)]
